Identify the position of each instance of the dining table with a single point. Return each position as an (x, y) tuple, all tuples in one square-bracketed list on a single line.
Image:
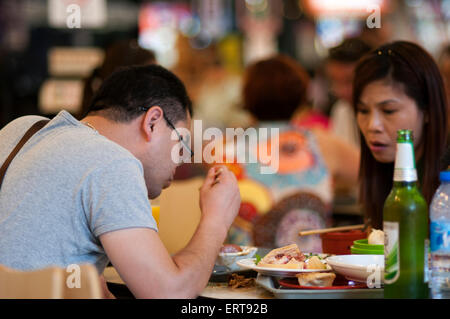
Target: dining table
[(250, 283)]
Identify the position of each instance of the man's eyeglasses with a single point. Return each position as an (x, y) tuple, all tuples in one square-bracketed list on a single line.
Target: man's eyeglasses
[(180, 137)]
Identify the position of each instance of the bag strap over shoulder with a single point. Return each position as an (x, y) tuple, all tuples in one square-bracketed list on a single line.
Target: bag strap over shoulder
[(31, 131)]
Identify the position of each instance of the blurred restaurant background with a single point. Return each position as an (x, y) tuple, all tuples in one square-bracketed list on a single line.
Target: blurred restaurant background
[(44, 60), (52, 56)]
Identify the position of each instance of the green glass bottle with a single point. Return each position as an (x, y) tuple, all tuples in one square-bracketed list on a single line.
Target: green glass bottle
[(405, 224)]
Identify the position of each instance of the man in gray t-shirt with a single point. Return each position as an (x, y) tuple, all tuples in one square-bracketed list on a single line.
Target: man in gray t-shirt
[(77, 192)]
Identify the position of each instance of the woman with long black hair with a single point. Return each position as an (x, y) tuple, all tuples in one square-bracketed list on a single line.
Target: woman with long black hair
[(398, 86)]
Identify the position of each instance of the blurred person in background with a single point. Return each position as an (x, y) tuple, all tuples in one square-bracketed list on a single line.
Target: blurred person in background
[(340, 67), (124, 52), (398, 86), (215, 92), (311, 162), (218, 100), (215, 89), (306, 115)]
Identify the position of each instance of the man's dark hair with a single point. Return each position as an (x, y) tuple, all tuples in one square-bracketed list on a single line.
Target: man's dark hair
[(349, 51), (125, 93)]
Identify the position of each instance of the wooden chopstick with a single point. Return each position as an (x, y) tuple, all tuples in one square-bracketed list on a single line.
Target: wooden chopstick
[(330, 230)]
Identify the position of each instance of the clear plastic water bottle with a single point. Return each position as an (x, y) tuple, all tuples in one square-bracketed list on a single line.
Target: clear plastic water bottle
[(440, 239)]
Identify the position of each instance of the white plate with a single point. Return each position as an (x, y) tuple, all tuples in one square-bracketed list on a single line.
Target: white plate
[(359, 267), (249, 263)]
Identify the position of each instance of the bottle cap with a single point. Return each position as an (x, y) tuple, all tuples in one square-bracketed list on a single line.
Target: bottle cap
[(444, 176)]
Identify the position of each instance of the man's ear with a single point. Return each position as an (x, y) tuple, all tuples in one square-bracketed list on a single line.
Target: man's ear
[(152, 117)]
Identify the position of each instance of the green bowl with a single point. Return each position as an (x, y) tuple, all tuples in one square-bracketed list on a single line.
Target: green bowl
[(358, 251), (363, 244)]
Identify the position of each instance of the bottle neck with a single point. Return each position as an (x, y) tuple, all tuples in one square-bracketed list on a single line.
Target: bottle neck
[(403, 184), (405, 165)]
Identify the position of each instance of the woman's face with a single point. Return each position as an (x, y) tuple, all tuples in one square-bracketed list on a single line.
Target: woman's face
[(382, 110)]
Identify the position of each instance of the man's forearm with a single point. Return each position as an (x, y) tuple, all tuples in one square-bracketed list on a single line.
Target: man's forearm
[(150, 272), (200, 254)]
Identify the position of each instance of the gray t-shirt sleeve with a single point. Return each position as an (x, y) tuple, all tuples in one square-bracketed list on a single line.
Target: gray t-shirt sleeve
[(115, 197)]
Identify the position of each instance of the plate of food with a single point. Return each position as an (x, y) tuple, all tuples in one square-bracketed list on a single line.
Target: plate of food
[(287, 261)]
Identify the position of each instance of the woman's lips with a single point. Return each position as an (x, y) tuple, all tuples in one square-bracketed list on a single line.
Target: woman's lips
[(377, 146)]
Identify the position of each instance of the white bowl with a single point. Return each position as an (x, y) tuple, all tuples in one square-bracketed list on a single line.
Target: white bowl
[(229, 259), (368, 269)]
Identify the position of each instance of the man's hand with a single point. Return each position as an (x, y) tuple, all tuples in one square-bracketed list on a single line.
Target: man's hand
[(219, 196)]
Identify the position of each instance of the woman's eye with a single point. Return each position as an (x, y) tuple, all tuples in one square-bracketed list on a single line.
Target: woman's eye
[(388, 112), (362, 111)]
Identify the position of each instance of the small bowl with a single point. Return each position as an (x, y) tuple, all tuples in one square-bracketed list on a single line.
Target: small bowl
[(360, 251), (360, 268), (229, 259), (363, 244), (339, 243)]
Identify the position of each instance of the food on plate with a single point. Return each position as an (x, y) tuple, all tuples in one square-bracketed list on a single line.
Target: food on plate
[(291, 257), (376, 237), (230, 248), (315, 263), (237, 281), (284, 257), (316, 279)]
